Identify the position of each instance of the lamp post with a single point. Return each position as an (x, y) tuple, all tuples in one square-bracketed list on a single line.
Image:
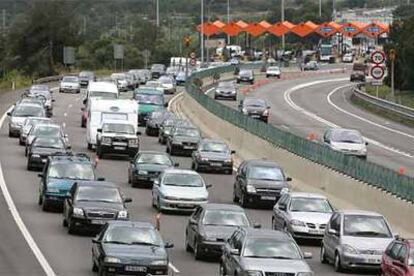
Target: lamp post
[(157, 7), (228, 19), (282, 10), (202, 32)]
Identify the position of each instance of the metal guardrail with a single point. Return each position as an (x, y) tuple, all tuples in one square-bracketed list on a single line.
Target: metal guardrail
[(388, 106), (48, 79), (376, 175)]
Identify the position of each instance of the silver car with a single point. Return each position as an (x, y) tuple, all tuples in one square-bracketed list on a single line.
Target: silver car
[(303, 215), (21, 112), (70, 84), (27, 126), (355, 239), (348, 141), (45, 129), (179, 190)]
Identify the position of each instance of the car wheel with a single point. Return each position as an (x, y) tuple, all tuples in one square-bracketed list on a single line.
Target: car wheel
[(89, 146), (71, 227), (243, 201), (94, 266), (235, 198), (45, 204), (101, 271), (196, 167), (187, 244), (40, 200), (197, 253), (323, 258), (337, 264)]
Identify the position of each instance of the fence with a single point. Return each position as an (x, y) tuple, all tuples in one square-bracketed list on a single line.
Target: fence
[(371, 173)]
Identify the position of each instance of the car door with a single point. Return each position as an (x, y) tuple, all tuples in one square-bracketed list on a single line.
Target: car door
[(156, 188), (400, 261), (387, 259), (242, 180), (231, 263), (236, 181), (280, 211), (226, 255), (98, 253), (193, 225), (327, 138), (68, 203), (330, 239), (235, 258)]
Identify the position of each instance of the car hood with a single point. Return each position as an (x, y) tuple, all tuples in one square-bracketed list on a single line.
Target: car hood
[(215, 155), (224, 89), (101, 206), (145, 108), (18, 120), (167, 85), (364, 243), (185, 192), (221, 233), (69, 84), (255, 108), (311, 217), (152, 167), (348, 146), (63, 185), (141, 254), (274, 265), (258, 183)]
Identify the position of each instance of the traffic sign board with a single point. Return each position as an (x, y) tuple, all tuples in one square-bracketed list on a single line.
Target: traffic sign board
[(378, 57), (377, 72), (376, 82)]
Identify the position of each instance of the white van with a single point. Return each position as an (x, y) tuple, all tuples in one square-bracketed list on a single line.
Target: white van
[(107, 109)]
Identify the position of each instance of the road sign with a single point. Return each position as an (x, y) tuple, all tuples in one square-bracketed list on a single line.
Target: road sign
[(193, 62), (118, 51), (378, 57), (377, 72), (68, 55), (376, 82)]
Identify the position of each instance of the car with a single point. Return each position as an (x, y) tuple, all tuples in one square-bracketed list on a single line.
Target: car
[(58, 176), (348, 58), (130, 248), (28, 124), (44, 94), (226, 90), (154, 122), (147, 166), (273, 71), (398, 258), (355, 239), (357, 75), (138, 75), (184, 140), (132, 80), (263, 252), (259, 181), (210, 226), (41, 148), (45, 130), (117, 137), (179, 190), (20, 113), (166, 128), (168, 83), (91, 204), (157, 70), (347, 141), (149, 100), (181, 78), (303, 215), (311, 66), (120, 80), (69, 84), (245, 76), (255, 108), (154, 84), (212, 155), (85, 77), (172, 71), (33, 99)]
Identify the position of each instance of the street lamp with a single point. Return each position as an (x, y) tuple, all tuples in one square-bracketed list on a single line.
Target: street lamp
[(228, 19), (282, 11), (202, 32)]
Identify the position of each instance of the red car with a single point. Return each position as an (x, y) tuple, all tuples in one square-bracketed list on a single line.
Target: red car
[(398, 258)]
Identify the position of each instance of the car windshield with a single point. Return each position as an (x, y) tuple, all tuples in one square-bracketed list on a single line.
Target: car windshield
[(168, 122), (246, 73), (273, 68), (157, 115), (214, 147), (265, 173), (118, 128), (366, 226), (39, 88), (227, 85), (151, 99), (411, 257), (192, 132), (131, 235), (271, 248), (48, 142), (166, 80), (157, 159), (153, 84), (86, 74), (70, 79), (254, 102), (104, 95), (71, 170), (156, 67), (225, 218), (98, 193), (40, 94), (317, 205), (46, 131), (28, 111), (347, 136), (183, 180)]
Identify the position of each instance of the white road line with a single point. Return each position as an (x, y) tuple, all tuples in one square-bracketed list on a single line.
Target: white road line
[(288, 99), (19, 221), (173, 268)]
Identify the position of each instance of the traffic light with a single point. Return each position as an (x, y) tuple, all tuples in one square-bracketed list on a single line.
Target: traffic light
[(187, 41)]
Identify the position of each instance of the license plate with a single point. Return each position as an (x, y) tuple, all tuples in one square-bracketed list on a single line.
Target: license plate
[(187, 147), (99, 222), (119, 144), (184, 205), (255, 116), (216, 164), (373, 261), (44, 160), (268, 198), (314, 231), (119, 148), (135, 268)]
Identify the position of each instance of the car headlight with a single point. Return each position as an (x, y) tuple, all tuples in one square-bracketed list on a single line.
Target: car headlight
[(228, 160), (296, 222), (305, 274), (159, 262), (349, 249), (244, 110), (266, 112), (253, 273), (284, 191), (123, 214), (133, 142), (53, 190), (167, 132), (250, 189), (203, 158), (78, 212), (106, 141), (112, 260), (35, 155)]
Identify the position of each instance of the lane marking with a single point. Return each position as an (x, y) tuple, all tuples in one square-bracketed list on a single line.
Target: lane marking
[(19, 221), (174, 269), (288, 99)]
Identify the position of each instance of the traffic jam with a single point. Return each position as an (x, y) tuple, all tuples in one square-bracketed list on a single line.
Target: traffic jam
[(117, 114)]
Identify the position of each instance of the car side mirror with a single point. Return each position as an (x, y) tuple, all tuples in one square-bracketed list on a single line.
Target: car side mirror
[(288, 179), (84, 101), (282, 207), (233, 152), (99, 130), (307, 255), (333, 232), (139, 133), (40, 175), (257, 225), (82, 109), (396, 235), (127, 200), (9, 114), (208, 186), (168, 245), (157, 182), (366, 143), (166, 104), (234, 251), (176, 165), (95, 240), (101, 178)]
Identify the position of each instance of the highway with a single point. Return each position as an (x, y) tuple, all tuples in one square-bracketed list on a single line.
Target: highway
[(70, 255)]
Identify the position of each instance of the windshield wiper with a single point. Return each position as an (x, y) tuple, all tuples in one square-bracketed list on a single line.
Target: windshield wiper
[(144, 243), (269, 257), (349, 141), (117, 242)]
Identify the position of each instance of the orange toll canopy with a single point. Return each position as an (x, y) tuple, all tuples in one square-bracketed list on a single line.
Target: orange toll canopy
[(374, 29), (255, 29), (304, 29), (327, 29), (266, 25), (351, 29), (281, 28), (232, 29), (243, 25), (208, 29), (219, 24)]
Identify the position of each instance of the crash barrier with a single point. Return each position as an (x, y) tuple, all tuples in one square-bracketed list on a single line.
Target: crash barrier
[(48, 79), (373, 174)]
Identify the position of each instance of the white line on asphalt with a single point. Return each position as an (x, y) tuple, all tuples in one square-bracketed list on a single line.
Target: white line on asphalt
[(19, 221), (289, 100), (173, 268)]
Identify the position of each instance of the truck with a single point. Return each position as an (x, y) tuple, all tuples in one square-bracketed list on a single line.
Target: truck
[(326, 53)]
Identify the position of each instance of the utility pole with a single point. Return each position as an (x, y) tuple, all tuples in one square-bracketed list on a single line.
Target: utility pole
[(202, 32), (84, 24), (158, 12), (228, 20), (320, 8), (282, 10), (334, 10), (3, 25)]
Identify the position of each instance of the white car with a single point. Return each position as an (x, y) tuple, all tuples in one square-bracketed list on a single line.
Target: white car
[(348, 58), (70, 84), (179, 190), (168, 83), (273, 71), (348, 141), (156, 84), (120, 79)]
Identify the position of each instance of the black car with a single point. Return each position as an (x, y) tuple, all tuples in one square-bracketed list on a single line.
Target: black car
[(357, 76), (85, 77), (157, 70), (183, 140), (147, 166), (155, 120), (255, 108), (226, 90), (245, 76), (210, 226), (91, 204), (41, 148), (167, 126), (259, 181), (213, 155), (130, 248)]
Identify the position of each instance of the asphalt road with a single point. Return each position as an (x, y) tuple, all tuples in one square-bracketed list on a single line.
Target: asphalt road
[(70, 255)]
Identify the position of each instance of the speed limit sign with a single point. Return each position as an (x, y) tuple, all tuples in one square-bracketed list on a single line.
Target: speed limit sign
[(378, 57), (377, 72)]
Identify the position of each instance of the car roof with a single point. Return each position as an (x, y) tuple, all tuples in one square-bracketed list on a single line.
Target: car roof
[(139, 224), (307, 195), (51, 125), (180, 171), (119, 122), (260, 162), (96, 183), (222, 206), (267, 233), (359, 212), (32, 104)]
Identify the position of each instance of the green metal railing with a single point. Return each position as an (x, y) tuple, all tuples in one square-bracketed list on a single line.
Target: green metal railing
[(371, 173)]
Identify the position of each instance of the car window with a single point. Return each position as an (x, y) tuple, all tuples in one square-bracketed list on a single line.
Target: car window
[(71, 170), (157, 159), (394, 250), (347, 136), (366, 226), (182, 180), (214, 147), (225, 217), (271, 248), (100, 194), (411, 257), (191, 132), (238, 242), (118, 128), (402, 254), (265, 173), (126, 234), (233, 238), (284, 200), (335, 223), (28, 111), (302, 204)]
